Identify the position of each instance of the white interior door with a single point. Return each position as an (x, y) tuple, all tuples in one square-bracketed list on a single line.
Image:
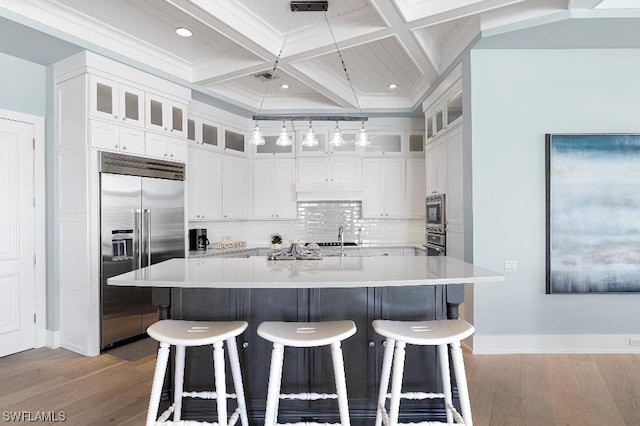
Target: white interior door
[(17, 278)]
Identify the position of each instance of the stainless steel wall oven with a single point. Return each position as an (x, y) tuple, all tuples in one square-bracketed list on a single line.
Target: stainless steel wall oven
[(435, 235)]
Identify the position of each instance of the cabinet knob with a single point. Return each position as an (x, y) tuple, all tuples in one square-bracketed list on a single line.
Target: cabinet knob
[(245, 345), (115, 116), (124, 147), (115, 146), (165, 154), (372, 344), (171, 155)]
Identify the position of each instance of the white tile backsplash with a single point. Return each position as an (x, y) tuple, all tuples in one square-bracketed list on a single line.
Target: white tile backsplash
[(318, 222)]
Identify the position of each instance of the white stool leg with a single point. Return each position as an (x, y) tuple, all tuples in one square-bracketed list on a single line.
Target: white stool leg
[(179, 383), (445, 374), (341, 383), (396, 383), (275, 378), (384, 378), (158, 380), (234, 361), (461, 380), (221, 389)]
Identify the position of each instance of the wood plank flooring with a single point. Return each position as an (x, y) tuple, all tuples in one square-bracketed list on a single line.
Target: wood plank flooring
[(509, 390)]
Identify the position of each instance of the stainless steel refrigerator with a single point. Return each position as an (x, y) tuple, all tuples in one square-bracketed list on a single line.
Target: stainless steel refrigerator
[(142, 222)]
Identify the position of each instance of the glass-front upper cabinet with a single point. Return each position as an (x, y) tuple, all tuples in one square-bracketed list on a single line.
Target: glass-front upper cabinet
[(166, 116), (117, 102), (416, 143), (202, 132), (454, 108), (235, 142), (384, 144), (271, 147)]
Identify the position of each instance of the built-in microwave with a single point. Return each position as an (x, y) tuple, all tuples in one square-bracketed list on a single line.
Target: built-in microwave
[(435, 213)]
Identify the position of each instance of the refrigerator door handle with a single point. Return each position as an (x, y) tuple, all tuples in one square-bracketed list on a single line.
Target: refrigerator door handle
[(137, 237), (147, 213)]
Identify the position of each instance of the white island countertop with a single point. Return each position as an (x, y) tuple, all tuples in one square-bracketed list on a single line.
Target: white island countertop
[(258, 272)]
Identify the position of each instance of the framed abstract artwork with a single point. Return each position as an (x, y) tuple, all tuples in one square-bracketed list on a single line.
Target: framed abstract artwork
[(592, 213)]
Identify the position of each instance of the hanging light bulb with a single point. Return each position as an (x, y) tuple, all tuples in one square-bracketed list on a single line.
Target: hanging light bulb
[(363, 138), (284, 139), (336, 138), (256, 136), (310, 138)]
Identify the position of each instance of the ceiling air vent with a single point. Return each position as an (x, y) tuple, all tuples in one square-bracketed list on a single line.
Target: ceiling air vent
[(264, 76)]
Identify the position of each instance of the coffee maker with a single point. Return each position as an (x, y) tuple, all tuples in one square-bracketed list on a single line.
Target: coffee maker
[(198, 240)]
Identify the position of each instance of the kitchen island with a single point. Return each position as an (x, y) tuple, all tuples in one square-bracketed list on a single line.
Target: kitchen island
[(362, 289)]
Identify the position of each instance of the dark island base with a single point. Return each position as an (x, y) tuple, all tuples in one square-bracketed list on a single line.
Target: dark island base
[(310, 369)]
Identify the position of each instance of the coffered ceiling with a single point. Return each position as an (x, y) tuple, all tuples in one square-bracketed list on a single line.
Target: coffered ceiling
[(235, 43)]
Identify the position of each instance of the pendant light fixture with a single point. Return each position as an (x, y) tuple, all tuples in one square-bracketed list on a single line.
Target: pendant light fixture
[(310, 138), (336, 139), (284, 139)]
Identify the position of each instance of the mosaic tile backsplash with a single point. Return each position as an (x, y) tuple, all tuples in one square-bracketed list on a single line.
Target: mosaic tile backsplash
[(319, 222)]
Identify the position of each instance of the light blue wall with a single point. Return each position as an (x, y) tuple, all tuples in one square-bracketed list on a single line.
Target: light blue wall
[(23, 86), (27, 87), (516, 97)]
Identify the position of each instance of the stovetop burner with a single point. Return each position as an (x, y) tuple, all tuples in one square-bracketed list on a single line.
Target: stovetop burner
[(337, 244)]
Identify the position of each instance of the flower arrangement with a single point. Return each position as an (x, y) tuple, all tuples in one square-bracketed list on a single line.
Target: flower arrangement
[(276, 239)]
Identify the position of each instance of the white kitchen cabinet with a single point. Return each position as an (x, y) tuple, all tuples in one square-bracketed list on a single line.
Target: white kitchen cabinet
[(203, 133), (436, 166), (415, 187), (116, 138), (272, 149), (385, 251), (116, 102), (165, 147), (274, 195), (165, 116), (235, 187), (384, 143), (204, 191), (383, 180), (454, 200), (337, 169), (235, 143), (324, 146), (416, 144)]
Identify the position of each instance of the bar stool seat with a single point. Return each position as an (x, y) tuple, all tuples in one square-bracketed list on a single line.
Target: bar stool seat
[(182, 334), (306, 335), (440, 333)]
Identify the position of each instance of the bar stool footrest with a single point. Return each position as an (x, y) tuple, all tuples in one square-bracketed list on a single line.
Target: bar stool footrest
[(308, 396), (207, 395), (308, 424), (162, 421), (419, 395), (456, 417)]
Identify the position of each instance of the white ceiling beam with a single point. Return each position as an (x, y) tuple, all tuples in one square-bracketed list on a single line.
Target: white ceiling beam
[(463, 12), (323, 81), (583, 4), (421, 58)]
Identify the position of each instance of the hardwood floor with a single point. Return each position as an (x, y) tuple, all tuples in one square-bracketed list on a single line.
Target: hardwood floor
[(509, 390)]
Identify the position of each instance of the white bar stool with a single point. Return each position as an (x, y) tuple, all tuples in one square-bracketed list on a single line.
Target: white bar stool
[(306, 335), (439, 333), (197, 333)]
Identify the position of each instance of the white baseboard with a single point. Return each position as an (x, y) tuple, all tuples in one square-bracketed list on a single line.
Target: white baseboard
[(52, 339), (555, 343)]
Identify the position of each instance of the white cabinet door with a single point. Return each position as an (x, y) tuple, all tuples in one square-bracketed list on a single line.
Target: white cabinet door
[(383, 181), (284, 175), (112, 101), (165, 147), (203, 185), (263, 193), (312, 169), (436, 165), (164, 115), (344, 169), (113, 137), (235, 181), (274, 195), (415, 186)]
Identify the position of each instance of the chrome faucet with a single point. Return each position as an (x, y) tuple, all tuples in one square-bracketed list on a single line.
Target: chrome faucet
[(341, 238)]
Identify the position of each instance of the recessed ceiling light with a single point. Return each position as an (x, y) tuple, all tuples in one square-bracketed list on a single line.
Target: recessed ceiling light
[(284, 86), (392, 86), (184, 32)]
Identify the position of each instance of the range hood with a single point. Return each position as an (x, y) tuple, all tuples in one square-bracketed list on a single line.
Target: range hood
[(329, 191)]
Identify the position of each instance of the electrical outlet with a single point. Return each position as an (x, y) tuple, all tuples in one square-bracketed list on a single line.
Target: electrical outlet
[(634, 341), (511, 266)]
